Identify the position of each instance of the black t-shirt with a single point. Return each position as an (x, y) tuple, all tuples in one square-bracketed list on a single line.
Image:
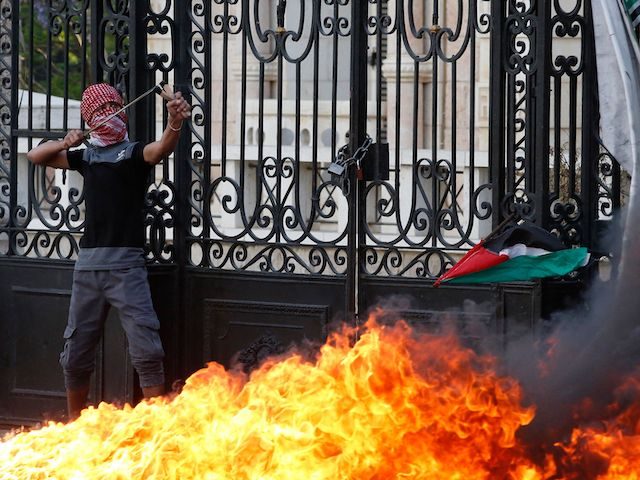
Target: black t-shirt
[(115, 184)]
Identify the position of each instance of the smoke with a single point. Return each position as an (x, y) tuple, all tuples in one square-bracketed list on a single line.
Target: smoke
[(572, 365), (572, 368)]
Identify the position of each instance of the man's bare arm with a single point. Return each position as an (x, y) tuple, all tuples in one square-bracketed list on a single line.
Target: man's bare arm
[(54, 153), (179, 110)]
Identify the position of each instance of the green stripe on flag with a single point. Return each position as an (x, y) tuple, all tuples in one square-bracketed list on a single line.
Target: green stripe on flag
[(631, 4), (526, 268), (633, 8)]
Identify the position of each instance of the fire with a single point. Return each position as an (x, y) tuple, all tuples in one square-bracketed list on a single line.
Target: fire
[(393, 405), (609, 447)]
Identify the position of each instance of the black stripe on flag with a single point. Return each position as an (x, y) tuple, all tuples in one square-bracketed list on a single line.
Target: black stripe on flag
[(635, 16)]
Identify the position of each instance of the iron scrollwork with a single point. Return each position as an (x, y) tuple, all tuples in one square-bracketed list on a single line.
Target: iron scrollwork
[(435, 204), (567, 208), (47, 216), (6, 82), (271, 94), (263, 202)]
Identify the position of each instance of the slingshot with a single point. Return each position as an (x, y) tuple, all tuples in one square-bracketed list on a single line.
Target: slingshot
[(163, 89)]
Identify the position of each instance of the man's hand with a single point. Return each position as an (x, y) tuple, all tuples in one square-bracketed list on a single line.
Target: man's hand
[(54, 154), (72, 139), (178, 108)]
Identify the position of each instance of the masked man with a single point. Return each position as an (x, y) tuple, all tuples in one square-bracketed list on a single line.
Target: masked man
[(110, 269)]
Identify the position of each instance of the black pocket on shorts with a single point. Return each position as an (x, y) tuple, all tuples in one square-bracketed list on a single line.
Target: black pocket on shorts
[(64, 355), (68, 332), (149, 321)]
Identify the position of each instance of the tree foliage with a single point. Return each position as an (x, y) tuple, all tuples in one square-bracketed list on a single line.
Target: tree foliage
[(52, 51)]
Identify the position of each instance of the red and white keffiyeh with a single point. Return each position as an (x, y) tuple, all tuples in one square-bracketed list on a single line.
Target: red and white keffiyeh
[(99, 102)]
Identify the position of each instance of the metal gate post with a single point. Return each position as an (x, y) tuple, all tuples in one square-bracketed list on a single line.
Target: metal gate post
[(542, 99), (497, 83), (139, 74), (357, 136), (13, 140), (590, 129), (181, 162), (97, 41)]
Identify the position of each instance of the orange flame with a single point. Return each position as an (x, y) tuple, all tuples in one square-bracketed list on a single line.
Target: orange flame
[(396, 405), (609, 449)]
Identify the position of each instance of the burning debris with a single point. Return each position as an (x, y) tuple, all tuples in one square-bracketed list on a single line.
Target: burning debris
[(397, 404)]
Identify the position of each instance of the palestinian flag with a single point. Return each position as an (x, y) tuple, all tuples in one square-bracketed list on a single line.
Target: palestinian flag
[(522, 252), (633, 8)]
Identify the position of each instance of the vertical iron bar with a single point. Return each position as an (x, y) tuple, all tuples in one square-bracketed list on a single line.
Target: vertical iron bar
[(357, 135), (139, 75), (225, 85), (243, 107), (590, 128), (399, 14), (454, 134), (279, 200), (497, 92), (378, 75), (65, 95), (557, 130), (49, 76), (261, 98), (297, 159), (542, 81), (529, 142), (31, 69), (508, 164), (434, 135), (182, 170), (472, 133), (97, 41), (616, 190), (334, 80), (83, 49), (573, 127), (314, 129), (208, 133)]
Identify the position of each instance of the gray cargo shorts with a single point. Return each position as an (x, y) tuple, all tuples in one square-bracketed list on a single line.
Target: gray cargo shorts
[(92, 294)]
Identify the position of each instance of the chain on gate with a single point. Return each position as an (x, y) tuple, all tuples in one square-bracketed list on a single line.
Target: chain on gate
[(339, 169)]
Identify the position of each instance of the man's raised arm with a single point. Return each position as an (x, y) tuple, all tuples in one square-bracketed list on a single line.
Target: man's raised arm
[(178, 110)]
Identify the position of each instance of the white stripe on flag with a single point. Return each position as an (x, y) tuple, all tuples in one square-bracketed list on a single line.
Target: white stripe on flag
[(520, 249)]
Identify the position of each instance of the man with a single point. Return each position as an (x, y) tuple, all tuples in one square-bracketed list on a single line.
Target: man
[(110, 269)]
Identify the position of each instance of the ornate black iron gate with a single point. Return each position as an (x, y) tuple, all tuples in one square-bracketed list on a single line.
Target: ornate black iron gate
[(340, 152)]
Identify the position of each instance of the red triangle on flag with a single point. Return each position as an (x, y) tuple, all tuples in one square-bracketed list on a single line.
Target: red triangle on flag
[(475, 260)]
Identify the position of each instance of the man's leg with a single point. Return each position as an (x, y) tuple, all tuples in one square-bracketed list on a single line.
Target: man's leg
[(76, 401), (154, 391), (87, 313), (129, 292)]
